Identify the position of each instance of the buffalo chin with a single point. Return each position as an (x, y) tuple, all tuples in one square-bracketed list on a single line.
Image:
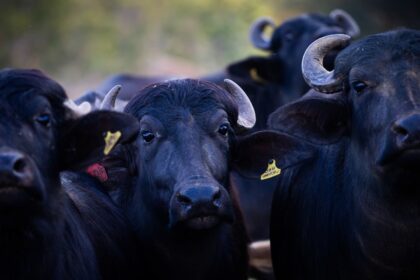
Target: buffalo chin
[(18, 196), (408, 159), (202, 222)]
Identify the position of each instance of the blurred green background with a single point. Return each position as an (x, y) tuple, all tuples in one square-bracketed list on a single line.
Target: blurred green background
[(80, 42)]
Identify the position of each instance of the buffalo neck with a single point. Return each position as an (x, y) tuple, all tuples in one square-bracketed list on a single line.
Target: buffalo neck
[(43, 247), (384, 216)]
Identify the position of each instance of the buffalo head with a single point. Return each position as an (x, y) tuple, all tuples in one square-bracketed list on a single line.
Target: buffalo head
[(43, 132), (371, 97)]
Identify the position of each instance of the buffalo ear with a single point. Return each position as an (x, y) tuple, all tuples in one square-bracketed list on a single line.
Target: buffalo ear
[(89, 138), (259, 69), (315, 119), (253, 154), (116, 169)]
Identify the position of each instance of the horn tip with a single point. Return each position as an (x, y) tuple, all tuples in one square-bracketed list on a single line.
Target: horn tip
[(355, 29), (116, 88)]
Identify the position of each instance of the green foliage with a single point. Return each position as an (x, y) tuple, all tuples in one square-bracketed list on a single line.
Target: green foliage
[(74, 40)]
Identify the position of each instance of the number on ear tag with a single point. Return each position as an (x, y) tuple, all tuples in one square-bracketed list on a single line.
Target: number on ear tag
[(272, 170)]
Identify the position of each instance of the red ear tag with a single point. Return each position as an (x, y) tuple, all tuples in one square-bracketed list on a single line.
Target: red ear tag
[(98, 171)]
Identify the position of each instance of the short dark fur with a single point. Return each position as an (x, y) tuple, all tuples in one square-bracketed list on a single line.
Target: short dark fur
[(183, 108), (352, 212), (52, 231)]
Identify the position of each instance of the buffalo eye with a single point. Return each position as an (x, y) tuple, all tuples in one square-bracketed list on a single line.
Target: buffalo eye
[(359, 86), (44, 119), (223, 129), (147, 135)]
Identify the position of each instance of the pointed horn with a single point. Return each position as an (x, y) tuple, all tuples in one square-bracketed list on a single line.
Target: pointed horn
[(246, 113), (314, 73), (346, 21), (79, 110), (109, 101), (256, 33)]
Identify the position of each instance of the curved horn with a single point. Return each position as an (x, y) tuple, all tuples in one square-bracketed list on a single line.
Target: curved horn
[(79, 110), (314, 73), (346, 21), (246, 113), (256, 33), (109, 101)]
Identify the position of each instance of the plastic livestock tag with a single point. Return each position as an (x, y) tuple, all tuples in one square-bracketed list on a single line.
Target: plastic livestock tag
[(272, 170), (110, 140), (254, 75), (98, 171)]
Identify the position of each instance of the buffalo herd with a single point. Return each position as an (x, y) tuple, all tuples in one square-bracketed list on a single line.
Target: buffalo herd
[(300, 164)]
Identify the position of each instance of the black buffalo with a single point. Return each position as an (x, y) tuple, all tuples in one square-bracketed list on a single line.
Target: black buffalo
[(278, 81), (47, 230), (274, 80), (174, 181), (348, 205), (269, 81)]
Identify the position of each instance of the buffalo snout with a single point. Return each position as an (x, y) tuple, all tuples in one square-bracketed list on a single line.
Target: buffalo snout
[(200, 206), (206, 195), (18, 178), (407, 131)]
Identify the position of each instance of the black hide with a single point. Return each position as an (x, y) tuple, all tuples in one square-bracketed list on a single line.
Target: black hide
[(178, 196), (47, 230), (352, 212)]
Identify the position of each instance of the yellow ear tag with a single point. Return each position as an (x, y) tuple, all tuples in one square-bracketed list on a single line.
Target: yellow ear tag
[(110, 140), (254, 75), (272, 170)]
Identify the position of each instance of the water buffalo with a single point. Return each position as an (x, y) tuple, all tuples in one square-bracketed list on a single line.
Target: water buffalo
[(50, 230), (280, 81), (269, 81), (173, 182), (276, 79), (349, 207)]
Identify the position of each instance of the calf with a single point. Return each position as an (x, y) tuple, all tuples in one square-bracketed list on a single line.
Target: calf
[(49, 230)]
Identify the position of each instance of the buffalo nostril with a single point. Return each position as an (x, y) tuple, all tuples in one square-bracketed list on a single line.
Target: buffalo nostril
[(15, 168), (217, 195), (216, 198), (19, 166), (183, 199), (400, 130)]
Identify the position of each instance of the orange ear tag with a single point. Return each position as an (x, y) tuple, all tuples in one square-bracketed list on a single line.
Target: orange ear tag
[(272, 170), (110, 140)]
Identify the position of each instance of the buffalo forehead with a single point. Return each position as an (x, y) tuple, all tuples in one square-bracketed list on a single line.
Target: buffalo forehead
[(200, 97), (381, 49), (172, 112), (181, 119)]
